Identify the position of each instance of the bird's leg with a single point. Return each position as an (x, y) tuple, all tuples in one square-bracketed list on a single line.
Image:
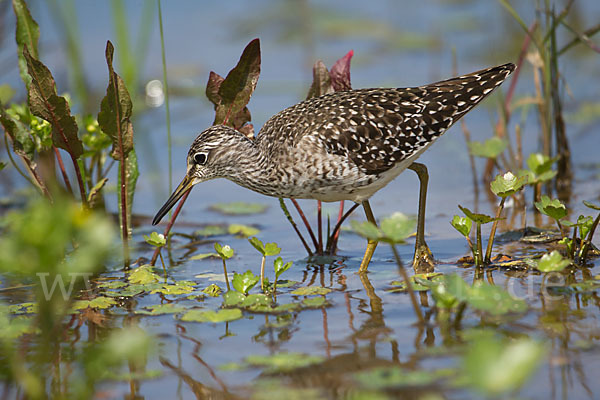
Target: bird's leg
[(371, 244), (423, 260)]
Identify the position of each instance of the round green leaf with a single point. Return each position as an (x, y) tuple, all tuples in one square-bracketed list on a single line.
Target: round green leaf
[(552, 262), (462, 225), (507, 184)]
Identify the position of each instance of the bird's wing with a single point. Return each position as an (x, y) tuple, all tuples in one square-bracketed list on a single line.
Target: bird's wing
[(377, 128)]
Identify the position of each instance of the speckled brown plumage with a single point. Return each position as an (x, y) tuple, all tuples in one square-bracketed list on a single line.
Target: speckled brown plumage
[(343, 145)]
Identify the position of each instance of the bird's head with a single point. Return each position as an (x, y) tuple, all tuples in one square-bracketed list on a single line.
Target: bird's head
[(211, 156)]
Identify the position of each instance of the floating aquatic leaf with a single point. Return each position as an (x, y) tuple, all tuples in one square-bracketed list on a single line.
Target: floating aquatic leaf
[(239, 208), (288, 307), (552, 261), (315, 302), (212, 290), (98, 302), (254, 300), (243, 230), (155, 239), (202, 256), (382, 378), (233, 299), (211, 230), (496, 366), (552, 208), (462, 225), (283, 362), (23, 308), (311, 291), (507, 184), (420, 282), (212, 316), (161, 309), (212, 277), (284, 283), (491, 148), (225, 252), (179, 287), (143, 275), (244, 282)]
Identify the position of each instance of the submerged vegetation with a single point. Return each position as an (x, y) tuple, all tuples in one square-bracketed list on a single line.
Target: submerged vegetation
[(480, 325)]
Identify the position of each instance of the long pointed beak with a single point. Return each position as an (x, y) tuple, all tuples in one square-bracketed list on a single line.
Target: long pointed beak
[(186, 184)]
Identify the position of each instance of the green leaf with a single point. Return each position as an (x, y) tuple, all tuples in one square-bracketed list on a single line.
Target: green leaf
[(283, 362), (462, 225), (591, 205), (552, 262), (27, 35), (366, 229), (155, 239), (491, 148), (552, 208), (311, 291), (315, 302), (227, 315), (114, 117), (496, 366), (477, 218), (131, 176), (254, 300), (457, 287), (271, 249), (225, 252), (202, 256), (95, 192), (243, 230), (143, 275), (397, 227), (236, 89), (161, 309), (233, 299), (46, 104), (22, 142), (540, 168), (280, 267), (98, 302), (239, 208), (210, 230), (585, 225), (257, 244), (494, 300), (212, 290), (244, 282), (507, 184), (179, 287)]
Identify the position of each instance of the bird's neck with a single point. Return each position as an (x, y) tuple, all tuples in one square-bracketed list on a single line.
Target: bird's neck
[(252, 168)]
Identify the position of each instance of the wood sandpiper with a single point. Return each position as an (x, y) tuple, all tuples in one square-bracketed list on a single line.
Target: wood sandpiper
[(340, 146)]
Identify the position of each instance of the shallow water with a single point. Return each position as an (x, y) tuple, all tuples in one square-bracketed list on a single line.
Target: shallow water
[(365, 326)]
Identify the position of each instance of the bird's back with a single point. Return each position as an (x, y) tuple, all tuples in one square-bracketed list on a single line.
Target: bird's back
[(378, 128)]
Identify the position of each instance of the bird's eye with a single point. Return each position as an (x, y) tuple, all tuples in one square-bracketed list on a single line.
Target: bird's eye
[(200, 158)]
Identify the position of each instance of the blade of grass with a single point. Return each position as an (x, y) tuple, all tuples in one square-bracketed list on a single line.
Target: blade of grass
[(166, 91)]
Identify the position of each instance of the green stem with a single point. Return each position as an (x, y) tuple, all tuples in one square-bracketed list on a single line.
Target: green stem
[(488, 252), (262, 273), (226, 277), (588, 242), (478, 260)]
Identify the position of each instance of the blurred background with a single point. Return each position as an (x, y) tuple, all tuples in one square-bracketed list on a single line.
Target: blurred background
[(395, 43)]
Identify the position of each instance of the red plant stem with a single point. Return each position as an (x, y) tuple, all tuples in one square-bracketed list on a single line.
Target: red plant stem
[(310, 232), (61, 165), (338, 227), (170, 225), (289, 217), (319, 228)]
